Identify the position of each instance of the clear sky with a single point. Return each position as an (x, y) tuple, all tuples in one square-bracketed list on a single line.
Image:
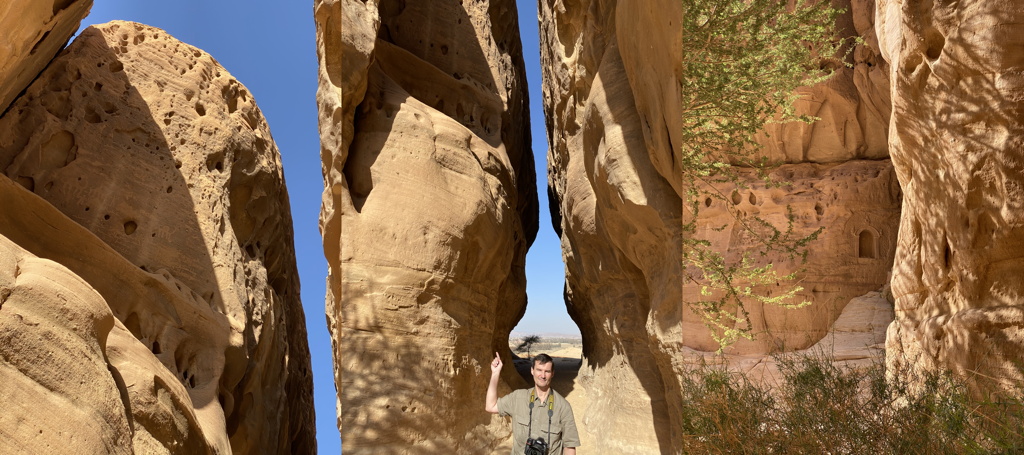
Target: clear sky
[(545, 272), (270, 47)]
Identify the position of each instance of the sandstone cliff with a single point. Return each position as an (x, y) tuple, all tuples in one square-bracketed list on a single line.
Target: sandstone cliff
[(428, 209), (840, 179), (611, 84), (613, 107), (956, 144), (157, 184)]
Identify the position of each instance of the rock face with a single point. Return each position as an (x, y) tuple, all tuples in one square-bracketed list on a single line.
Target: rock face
[(857, 203), (33, 32), (855, 340), (956, 145), (613, 107), (157, 183), (841, 181), (429, 207), (44, 304), (852, 106)]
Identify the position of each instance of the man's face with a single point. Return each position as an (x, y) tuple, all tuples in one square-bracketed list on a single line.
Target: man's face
[(542, 373)]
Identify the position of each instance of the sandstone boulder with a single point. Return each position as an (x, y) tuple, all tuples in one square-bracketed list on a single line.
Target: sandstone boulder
[(429, 209), (33, 32), (155, 375), (57, 391), (956, 145), (165, 159)]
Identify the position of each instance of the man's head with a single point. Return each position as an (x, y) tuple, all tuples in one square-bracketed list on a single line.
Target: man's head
[(543, 369)]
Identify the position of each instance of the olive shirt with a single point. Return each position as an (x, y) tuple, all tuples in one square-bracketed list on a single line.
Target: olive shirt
[(563, 425)]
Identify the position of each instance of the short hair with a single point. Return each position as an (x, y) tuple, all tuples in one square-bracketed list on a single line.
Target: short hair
[(542, 359)]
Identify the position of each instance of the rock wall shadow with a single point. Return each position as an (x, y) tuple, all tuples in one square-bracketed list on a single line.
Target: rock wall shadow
[(957, 117), (399, 391), (400, 387)]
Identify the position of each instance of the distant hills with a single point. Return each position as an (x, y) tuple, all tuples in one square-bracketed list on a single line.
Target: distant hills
[(546, 335)]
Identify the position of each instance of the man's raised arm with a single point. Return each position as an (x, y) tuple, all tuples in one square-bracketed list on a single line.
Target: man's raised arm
[(492, 387)]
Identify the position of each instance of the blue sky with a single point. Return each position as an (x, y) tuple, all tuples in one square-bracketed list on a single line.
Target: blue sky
[(270, 46)]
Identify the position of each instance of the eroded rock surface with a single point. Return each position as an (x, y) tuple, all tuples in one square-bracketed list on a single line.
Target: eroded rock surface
[(33, 32), (172, 205), (611, 99), (841, 180), (858, 205), (612, 103), (852, 107), (855, 340), (429, 209), (57, 391), (955, 71)]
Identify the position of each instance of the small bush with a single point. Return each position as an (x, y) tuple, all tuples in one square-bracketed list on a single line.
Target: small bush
[(822, 408)]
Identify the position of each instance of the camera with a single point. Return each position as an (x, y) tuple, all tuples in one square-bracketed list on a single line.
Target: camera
[(536, 446)]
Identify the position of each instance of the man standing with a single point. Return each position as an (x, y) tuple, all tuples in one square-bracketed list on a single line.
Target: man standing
[(539, 412)]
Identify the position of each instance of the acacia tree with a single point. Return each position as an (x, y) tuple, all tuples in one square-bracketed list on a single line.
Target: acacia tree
[(742, 62), (527, 344)]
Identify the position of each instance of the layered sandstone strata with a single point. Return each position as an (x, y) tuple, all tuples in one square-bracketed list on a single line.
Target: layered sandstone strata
[(429, 207), (55, 328), (157, 183), (956, 145)]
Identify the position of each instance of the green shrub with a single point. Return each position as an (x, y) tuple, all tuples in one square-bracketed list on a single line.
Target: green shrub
[(822, 408)]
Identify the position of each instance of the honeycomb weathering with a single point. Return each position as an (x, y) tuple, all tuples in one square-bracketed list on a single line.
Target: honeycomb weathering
[(156, 182)]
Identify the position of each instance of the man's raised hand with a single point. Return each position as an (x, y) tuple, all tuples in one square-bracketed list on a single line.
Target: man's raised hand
[(491, 403), (496, 364)]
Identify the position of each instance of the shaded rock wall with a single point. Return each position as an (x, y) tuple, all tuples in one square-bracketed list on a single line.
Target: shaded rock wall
[(33, 32), (156, 182), (956, 144), (612, 105), (429, 207)]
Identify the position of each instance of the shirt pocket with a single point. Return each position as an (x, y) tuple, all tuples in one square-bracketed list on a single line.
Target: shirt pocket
[(555, 435), (521, 429)]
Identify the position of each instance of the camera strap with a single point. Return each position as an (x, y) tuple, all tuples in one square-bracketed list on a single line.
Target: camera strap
[(551, 412)]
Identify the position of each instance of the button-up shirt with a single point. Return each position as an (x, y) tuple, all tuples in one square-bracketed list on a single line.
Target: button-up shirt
[(563, 425)]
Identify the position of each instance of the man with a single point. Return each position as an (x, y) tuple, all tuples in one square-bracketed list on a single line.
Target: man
[(533, 423)]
